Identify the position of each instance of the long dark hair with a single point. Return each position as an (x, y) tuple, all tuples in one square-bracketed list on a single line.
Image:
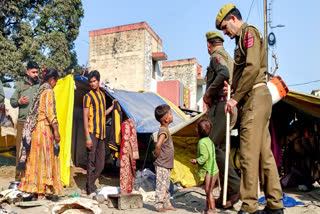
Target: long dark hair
[(48, 73)]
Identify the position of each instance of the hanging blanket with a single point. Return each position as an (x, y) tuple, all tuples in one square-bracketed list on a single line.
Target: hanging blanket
[(129, 153)]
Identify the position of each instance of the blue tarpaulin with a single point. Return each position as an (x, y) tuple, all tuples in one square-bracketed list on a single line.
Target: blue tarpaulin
[(140, 108)]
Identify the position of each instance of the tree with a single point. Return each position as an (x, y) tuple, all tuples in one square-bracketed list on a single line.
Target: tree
[(40, 30)]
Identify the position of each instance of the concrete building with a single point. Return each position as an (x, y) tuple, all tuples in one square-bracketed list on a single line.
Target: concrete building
[(189, 72), (176, 92), (130, 57), (127, 56)]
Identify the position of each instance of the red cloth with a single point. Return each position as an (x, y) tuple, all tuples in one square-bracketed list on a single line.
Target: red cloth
[(129, 153)]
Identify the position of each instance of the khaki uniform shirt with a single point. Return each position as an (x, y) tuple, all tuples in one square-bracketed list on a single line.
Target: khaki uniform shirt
[(250, 61), (23, 88), (219, 70)]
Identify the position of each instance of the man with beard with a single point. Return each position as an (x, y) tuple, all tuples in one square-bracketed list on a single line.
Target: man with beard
[(22, 99)]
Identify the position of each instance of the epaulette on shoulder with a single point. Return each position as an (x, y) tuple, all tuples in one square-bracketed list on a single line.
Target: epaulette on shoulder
[(221, 53), (255, 29)]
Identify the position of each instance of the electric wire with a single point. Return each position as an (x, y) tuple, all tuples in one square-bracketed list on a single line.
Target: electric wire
[(305, 83), (249, 10)]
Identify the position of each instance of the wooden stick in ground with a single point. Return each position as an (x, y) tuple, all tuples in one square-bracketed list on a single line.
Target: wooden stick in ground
[(226, 163)]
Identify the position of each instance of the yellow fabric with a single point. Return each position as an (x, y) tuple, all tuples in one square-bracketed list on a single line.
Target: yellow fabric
[(234, 158), (184, 171), (117, 127), (222, 13), (64, 95), (214, 34)]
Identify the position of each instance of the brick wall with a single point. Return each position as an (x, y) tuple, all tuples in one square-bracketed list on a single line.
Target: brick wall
[(186, 71)]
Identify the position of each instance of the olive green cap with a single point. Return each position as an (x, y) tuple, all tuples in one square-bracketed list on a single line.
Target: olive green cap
[(222, 14), (213, 34)]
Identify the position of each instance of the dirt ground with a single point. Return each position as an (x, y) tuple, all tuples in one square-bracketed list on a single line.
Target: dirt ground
[(193, 202)]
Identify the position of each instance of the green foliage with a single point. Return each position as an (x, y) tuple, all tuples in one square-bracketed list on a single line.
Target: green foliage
[(40, 30)]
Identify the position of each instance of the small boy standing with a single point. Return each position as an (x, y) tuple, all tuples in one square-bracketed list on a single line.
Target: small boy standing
[(164, 154)]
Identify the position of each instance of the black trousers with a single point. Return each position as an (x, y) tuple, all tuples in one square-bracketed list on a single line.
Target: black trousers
[(95, 165)]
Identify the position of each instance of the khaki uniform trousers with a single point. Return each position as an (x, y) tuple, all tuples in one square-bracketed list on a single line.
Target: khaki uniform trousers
[(20, 125), (255, 152), (218, 136)]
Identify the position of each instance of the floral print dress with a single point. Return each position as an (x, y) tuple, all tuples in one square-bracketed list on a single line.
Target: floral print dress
[(42, 173)]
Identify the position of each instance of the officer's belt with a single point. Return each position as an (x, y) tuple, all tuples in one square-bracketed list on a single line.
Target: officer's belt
[(258, 85)]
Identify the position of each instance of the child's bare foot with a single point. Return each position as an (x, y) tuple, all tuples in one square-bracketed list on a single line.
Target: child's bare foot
[(161, 210), (171, 208)]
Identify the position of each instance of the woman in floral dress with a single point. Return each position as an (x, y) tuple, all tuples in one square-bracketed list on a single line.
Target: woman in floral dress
[(39, 153)]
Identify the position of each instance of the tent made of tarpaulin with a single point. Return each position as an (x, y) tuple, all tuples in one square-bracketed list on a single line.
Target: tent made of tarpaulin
[(185, 138), (306, 103), (139, 106)]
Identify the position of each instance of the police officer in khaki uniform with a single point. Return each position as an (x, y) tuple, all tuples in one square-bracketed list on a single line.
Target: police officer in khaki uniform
[(220, 70), (254, 101)]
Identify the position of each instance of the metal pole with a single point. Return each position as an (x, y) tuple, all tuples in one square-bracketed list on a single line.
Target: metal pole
[(266, 29)]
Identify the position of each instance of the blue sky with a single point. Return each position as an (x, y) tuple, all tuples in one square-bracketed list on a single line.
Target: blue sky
[(182, 24)]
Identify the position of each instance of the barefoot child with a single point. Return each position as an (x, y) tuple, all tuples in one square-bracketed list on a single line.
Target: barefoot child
[(207, 166), (164, 154)]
